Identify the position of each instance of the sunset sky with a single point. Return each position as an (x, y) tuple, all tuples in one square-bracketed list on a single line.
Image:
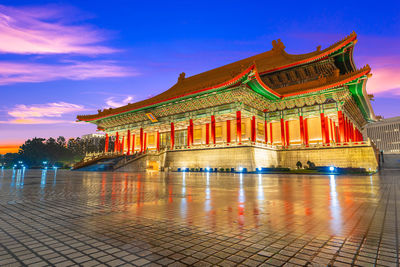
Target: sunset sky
[(64, 58)]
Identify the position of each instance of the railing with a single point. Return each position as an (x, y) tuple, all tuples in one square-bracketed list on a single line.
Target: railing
[(93, 157), (329, 145), (275, 147), (224, 145)]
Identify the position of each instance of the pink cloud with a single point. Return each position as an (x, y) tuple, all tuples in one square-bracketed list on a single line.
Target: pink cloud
[(35, 121), (42, 113), (43, 30), (44, 110), (385, 75), (384, 80), (114, 104), (73, 70)]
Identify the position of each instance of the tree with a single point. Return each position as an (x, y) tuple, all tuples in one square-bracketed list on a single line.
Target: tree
[(61, 141), (55, 151)]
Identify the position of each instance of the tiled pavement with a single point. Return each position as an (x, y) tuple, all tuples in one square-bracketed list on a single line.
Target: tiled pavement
[(118, 219)]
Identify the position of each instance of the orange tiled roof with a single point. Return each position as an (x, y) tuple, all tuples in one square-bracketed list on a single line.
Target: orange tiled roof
[(323, 83), (269, 61)]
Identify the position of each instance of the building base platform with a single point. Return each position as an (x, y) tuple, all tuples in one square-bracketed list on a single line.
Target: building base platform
[(253, 157)]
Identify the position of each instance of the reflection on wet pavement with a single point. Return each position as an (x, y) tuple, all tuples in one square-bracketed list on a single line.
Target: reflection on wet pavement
[(58, 217)]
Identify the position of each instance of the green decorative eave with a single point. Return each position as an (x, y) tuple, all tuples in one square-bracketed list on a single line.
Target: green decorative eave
[(258, 88), (257, 85), (356, 88)]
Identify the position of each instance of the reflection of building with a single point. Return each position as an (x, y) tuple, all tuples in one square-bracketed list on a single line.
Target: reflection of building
[(386, 134), (274, 108)]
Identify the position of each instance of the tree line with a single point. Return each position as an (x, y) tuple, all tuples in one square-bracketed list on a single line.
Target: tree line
[(56, 152)]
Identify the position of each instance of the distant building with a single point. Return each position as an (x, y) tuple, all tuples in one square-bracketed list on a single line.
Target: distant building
[(91, 136), (386, 134), (95, 138)]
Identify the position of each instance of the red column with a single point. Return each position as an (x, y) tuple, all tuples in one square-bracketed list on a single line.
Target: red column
[(191, 131), (116, 143), (188, 136), (306, 132), (239, 126), (172, 136), (207, 133), (356, 137), (106, 144), (361, 136), (253, 129), (323, 131), (287, 133), (327, 130), (341, 127), (128, 143), (141, 140), (133, 143), (332, 130), (270, 133), (337, 137), (283, 133), (266, 132), (347, 130), (301, 122), (122, 144), (351, 132), (213, 139), (228, 131), (158, 140), (145, 142)]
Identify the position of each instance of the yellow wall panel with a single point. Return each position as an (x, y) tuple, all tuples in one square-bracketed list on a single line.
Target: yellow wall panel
[(314, 129), (294, 131), (151, 139), (197, 134), (218, 131), (276, 132)]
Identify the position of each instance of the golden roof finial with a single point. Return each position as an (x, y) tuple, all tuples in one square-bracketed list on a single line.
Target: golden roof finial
[(277, 45), (181, 77)]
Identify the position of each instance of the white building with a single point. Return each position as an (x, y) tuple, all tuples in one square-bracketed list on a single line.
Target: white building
[(91, 136), (385, 134)]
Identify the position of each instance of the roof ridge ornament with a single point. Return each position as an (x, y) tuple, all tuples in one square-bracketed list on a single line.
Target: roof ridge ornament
[(277, 45), (181, 77)]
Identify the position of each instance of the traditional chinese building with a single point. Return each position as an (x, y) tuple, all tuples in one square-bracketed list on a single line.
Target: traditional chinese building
[(271, 109)]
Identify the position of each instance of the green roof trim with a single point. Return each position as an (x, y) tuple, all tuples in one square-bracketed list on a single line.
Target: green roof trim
[(356, 90), (258, 88)]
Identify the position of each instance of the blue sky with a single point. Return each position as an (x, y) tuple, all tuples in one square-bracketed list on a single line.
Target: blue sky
[(63, 58)]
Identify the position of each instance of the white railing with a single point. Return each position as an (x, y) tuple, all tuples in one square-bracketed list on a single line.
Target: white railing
[(94, 155), (269, 146)]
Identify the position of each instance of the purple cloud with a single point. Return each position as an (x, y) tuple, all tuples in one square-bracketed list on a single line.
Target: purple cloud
[(44, 30), (42, 113), (11, 72), (115, 104)]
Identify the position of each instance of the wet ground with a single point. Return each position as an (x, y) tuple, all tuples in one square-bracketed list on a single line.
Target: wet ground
[(68, 218)]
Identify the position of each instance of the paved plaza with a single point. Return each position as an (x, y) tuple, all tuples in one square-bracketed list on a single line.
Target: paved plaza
[(198, 219)]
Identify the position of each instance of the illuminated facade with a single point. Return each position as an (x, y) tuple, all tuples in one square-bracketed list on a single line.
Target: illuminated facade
[(273, 100)]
